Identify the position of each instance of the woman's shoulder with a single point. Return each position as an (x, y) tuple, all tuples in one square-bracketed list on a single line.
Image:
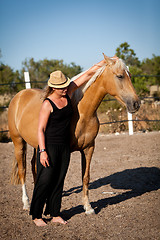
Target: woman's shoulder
[(47, 103), (47, 100)]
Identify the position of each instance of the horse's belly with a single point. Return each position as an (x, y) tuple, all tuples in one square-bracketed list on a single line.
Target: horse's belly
[(29, 132)]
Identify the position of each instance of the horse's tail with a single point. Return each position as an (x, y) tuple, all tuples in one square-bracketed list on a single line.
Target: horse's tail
[(14, 175)]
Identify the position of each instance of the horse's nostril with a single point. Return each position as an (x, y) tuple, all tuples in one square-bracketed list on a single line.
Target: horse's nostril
[(136, 104)]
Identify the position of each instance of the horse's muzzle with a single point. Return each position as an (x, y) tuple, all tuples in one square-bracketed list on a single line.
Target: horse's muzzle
[(133, 106)]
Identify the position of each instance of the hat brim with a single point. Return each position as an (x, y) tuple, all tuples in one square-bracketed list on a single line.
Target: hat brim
[(63, 85)]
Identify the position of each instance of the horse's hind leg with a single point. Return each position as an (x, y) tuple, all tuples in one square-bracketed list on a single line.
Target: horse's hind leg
[(19, 169), (86, 160)]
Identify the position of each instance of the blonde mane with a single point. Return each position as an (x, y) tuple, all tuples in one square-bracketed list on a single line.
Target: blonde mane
[(78, 94), (119, 65)]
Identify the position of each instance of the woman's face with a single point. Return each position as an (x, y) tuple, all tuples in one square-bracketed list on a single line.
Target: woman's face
[(61, 91)]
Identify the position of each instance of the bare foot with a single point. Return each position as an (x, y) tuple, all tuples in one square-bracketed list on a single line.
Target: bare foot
[(59, 220), (39, 222)]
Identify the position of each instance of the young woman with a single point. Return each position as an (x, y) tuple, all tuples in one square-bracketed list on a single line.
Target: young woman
[(53, 151)]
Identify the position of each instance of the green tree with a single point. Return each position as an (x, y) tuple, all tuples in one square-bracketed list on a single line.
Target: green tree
[(145, 73), (8, 78), (127, 54), (151, 67), (139, 80), (40, 71)]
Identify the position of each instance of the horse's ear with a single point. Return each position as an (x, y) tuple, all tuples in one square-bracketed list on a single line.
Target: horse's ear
[(107, 59), (115, 56)]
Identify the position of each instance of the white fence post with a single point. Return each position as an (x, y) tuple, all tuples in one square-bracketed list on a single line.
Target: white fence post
[(130, 124), (27, 80)]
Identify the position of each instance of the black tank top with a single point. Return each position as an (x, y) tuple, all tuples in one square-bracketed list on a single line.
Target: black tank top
[(58, 126)]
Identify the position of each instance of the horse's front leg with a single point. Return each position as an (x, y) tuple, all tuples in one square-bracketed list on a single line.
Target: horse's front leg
[(86, 160)]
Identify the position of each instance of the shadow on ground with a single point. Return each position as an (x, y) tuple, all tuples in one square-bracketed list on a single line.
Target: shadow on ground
[(136, 181)]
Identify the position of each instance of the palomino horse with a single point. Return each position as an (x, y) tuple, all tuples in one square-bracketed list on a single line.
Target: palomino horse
[(113, 78)]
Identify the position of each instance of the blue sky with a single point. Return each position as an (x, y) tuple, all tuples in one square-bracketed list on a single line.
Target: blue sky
[(77, 31)]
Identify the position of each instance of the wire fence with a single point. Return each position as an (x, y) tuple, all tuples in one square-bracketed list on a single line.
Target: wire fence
[(102, 123)]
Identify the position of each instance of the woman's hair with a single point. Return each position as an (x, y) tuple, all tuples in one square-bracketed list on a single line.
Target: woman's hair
[(46, 92)]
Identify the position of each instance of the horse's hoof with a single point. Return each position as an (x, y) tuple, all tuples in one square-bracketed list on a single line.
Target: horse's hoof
[(26, 207), (90, 211)]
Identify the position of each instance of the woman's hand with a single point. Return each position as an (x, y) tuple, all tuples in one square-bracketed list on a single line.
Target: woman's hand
[(44, 160), (84, 77)]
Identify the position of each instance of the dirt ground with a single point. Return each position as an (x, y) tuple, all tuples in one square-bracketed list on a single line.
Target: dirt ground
[(124, 191)]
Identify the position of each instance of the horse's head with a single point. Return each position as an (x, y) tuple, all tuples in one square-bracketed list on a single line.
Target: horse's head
[(119, 83)]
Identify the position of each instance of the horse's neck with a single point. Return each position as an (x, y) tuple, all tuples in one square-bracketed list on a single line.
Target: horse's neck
[(92, 98)]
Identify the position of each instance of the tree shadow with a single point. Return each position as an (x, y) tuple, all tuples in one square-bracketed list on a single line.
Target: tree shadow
[(136, 181)]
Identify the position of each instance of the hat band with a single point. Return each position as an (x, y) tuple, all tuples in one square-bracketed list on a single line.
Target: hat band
[(58, 84)]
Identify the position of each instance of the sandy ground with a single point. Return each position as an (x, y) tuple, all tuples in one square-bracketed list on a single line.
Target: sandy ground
[(124, 191)]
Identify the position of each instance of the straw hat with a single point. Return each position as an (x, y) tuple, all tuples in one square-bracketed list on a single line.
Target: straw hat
[(58, 80)]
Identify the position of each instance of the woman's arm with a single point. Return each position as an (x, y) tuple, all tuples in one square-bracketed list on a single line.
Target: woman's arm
[(43, 119), (84, 77)]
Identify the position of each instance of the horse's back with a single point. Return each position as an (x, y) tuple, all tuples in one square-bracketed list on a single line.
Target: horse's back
[(23, 115)]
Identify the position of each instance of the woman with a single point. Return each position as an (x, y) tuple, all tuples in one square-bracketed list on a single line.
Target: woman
[(53, 151)]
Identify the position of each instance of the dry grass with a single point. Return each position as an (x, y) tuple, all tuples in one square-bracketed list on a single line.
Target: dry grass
[(147, 111)]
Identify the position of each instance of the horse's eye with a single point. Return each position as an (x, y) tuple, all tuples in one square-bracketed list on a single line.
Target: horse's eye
[(120, 76)]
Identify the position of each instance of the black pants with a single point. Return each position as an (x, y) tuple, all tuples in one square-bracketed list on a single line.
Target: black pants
[(50, 180)]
